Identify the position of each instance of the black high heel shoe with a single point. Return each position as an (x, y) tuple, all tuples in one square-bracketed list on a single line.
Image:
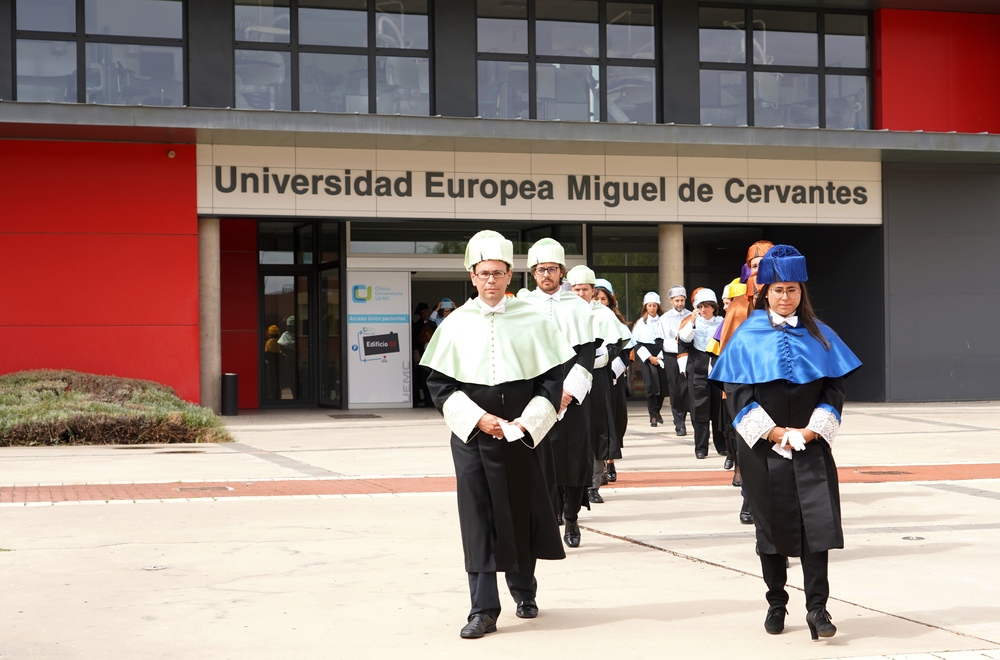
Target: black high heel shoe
[(819, 623), (774, 622)]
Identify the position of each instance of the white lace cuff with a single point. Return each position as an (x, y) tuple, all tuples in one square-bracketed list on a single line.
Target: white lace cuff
[(618, 367), (753, 423), (537, 419), (578, 382), (825, 423), (461, 415), (642, 353), (601, 360)]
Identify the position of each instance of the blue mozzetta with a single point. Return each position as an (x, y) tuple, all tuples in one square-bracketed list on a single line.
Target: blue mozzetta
[(749, 356)]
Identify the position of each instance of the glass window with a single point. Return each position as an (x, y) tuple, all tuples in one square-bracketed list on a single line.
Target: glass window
[(847, 102), (287, 243), (630, 31), (333, 83), (449, 238), (46, 71), (631, 94), (846, 40), (120, 74), (135, 18), (723, 98), (503, 89), (568, 92), (334, 22), (786, 99), (403, 85), (329, 242), (722, 35), (266, 21), (401, 24), (499, 35), (567, 29), (785, 38), (262, 80), (46, 15)]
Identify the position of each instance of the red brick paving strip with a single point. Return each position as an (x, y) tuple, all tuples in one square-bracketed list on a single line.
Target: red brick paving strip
[(285, 488)]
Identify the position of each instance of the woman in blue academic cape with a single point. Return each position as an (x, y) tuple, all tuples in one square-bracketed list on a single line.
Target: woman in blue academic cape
[(783, 372)]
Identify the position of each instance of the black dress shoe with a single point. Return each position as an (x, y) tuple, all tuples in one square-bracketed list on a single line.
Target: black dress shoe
[(658, 418), (746, 515), (819, 623), (594, 496), (652, 421), (572, 535), (774, 622), (681, 432), (527, 609), (612, 473), (479, 625), (701, 454), (728, 465)]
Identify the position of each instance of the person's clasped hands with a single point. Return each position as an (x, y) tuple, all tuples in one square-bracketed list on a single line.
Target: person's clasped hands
[(792, 439)]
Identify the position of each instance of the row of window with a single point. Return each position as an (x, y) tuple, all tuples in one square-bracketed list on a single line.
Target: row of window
[(587, 60)]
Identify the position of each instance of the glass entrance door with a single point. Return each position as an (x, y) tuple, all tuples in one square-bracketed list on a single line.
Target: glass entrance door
[(286, 373)]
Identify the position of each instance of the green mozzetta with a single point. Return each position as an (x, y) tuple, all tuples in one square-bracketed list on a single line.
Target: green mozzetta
[(468, 347)]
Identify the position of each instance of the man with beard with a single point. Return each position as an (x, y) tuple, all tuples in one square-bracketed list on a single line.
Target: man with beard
[(569, 440), (496, 374), (670, 323)]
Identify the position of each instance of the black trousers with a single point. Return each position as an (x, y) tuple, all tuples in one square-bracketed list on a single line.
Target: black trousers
[(677, 388), (485, 596), (572, 501), (815, 578)]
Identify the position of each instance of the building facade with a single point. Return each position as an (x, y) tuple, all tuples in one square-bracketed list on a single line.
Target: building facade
[(269, 188)]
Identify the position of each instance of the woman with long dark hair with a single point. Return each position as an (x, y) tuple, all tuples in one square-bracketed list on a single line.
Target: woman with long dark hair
[(604, 293), (784, 371)]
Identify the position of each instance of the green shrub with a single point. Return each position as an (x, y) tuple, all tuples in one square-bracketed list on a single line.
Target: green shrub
[(49, 407)]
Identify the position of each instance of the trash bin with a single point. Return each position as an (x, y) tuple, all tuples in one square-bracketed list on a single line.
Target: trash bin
[(230, 394)]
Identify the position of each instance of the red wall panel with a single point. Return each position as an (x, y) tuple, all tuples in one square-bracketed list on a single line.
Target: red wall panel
[(101, 244), (91, 187), (240, 345), (934, 71), (163, 354), (109, 279)]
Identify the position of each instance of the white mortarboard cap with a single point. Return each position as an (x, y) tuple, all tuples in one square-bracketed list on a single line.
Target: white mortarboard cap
[(705, 295), (677, 291), (546, 250), (488, 245), (604, 284), (581, 275), (651, 297)]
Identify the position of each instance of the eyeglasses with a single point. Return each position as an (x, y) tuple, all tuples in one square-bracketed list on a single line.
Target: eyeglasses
[(551, 270), (790, 291), (485, 275)]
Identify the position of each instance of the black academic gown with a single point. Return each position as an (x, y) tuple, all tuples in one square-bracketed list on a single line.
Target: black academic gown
[(798, 498), (607, 442), (569, 440), (620, 400), (504, 508)]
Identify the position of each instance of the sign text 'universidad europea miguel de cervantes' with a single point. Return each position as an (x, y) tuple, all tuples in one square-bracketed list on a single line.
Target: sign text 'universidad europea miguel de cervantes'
[(579, 187)]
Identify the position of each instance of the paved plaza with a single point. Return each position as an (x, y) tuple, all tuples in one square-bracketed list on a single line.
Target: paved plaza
[(334, 534)]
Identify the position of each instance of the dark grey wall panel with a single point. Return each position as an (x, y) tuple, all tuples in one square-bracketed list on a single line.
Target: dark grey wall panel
[(681, 96), (6, 50), (455, 58), (845, 285), (942, 241), (211, 65)]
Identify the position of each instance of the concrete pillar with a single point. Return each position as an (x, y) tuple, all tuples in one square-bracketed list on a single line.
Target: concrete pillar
[(671, 248), (210, 313)]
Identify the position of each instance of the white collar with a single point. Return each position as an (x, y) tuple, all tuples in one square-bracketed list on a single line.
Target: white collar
[(778, 319), (554, 296), (486, 309)]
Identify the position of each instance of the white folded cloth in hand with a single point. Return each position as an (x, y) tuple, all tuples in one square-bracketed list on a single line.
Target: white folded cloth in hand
[(511, 432), (682, 363), (781, 451)]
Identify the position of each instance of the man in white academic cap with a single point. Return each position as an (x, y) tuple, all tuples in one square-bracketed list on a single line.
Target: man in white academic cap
[(611, 336), (572, 455), (670, 322), (496, 373)]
